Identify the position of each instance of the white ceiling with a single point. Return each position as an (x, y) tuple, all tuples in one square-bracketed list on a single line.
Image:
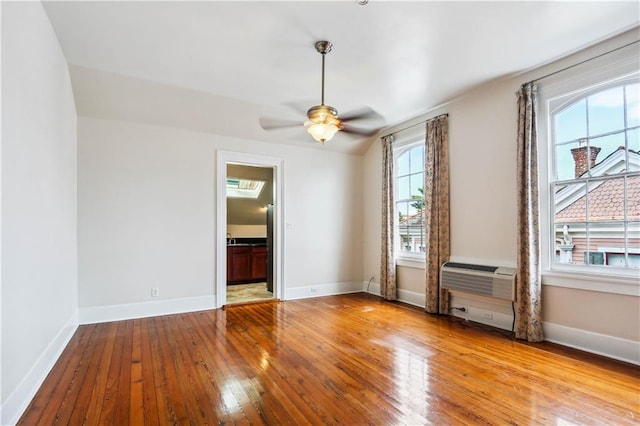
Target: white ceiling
[(219, 66)]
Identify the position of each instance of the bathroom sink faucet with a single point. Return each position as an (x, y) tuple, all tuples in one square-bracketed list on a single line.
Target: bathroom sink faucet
[(230, 240)]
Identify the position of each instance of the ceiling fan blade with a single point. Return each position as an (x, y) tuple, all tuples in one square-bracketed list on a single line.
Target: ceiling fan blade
[(359, 132), (360, 114), (300, 107), (275, 123)]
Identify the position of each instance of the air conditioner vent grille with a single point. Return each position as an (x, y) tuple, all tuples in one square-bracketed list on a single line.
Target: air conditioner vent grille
[(499, 284)]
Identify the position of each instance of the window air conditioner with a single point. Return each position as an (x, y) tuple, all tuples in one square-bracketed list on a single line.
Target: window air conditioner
[(488, 281)]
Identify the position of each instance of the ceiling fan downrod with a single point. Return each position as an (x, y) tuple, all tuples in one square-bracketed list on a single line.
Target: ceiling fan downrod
[(323, 119), (323, 47)]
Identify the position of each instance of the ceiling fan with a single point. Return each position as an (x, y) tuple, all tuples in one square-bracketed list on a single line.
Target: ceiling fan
[(323, 121)]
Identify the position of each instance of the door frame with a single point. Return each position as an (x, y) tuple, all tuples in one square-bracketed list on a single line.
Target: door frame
[(230, 157)]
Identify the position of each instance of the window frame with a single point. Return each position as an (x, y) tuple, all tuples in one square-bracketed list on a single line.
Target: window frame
[(401, 146), (555, 93)]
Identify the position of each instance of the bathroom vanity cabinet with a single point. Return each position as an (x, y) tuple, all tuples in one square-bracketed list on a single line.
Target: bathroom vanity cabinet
[(246, 263)]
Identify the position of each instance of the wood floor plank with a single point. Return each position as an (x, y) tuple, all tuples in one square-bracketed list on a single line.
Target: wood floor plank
[(92, 407), (147, 363), (136, 397), (73, 383), (88, 395), (349, 359), (45, 404)]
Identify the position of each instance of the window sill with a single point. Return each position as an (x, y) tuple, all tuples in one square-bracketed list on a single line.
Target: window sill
[(411, 262), (593, 282)]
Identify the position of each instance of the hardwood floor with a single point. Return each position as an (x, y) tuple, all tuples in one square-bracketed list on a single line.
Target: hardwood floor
[(349, 359)]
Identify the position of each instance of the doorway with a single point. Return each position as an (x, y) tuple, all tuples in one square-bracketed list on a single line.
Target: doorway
[(249, 230), (249, 233)]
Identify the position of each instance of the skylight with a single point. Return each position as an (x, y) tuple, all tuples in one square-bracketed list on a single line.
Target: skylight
[(244, 188)]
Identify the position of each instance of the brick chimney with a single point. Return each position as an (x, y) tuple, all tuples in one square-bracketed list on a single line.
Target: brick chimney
[(584, 155)]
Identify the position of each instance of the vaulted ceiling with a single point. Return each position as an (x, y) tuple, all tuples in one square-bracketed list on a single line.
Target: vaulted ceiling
[(219, 66)]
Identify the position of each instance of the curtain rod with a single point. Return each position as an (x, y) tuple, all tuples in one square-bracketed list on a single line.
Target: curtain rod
[(582, 62), (414, 125)]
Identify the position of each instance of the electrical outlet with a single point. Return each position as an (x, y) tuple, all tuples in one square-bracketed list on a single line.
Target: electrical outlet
[(487, 315), (155, 292), (314, 290)]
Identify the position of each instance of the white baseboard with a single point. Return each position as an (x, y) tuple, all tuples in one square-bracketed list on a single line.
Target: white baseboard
[(97, 314), (19, 399), (405, 296), (319, 290), (412, 298), (600, 344), (609, 346), (484, 310), (373, 288)]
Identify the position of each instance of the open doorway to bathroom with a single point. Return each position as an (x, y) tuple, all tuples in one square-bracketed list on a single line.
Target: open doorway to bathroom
[(249, 228), (249, 236)]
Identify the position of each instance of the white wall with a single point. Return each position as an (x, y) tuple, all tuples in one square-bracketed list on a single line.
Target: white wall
[(147, 214), (39, 250), (482, 131), (247, 231)]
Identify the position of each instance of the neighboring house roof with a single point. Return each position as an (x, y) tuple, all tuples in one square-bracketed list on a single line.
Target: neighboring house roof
[(605, 203), (412, 221), (605, 197)]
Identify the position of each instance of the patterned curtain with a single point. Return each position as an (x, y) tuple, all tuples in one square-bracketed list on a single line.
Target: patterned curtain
[(387, 261), (436, 211), (528, 321)]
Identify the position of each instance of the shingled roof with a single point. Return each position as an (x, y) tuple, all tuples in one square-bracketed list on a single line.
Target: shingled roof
[(605, 203), (606, 198)]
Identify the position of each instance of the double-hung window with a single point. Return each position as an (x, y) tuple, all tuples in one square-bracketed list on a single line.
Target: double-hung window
[(409, 198), (590, 139)]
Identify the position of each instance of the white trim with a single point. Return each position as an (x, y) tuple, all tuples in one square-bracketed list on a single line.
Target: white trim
[(630, 250), (1, 239), (592, 282), (412, 298), (409, 262), (18, 401), (223, 158), (404, 296), (600, 344), (374, 288), (108, 313), (319, 290)]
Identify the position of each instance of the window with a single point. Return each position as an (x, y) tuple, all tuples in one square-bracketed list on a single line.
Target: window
[(593, 174), (409, 199), (596, 180), (244, 188)]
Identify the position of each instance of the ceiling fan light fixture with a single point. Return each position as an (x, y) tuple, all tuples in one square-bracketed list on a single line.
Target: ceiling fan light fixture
[(321, 132), (323, 122)]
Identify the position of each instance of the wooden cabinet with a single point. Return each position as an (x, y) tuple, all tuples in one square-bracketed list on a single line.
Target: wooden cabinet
[(259, 263), (246, 264), (238, 263)]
